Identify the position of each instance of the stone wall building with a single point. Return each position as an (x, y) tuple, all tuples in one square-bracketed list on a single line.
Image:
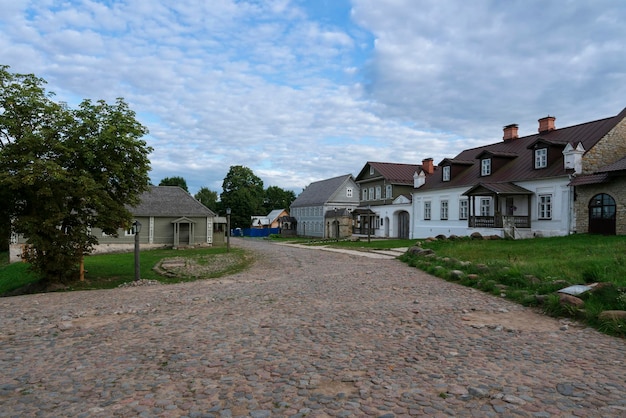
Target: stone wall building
[(600, 188)]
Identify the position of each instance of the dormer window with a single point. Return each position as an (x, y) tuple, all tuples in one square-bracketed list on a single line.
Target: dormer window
[(541, 158), (485, 167), (445, 172), (371, 170)]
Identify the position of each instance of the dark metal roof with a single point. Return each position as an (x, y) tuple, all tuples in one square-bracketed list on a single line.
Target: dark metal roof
[(589, 179), (456, 161), (169, 201), (394, 173), (618, 165), (502, 189), (522, 167), (320, 192)]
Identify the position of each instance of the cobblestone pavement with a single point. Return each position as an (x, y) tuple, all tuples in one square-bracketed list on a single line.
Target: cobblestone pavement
[(304, 333)]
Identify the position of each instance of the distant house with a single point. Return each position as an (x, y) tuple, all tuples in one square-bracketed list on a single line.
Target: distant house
[(272, 220), (554, 182), (323, 209), (169, 217), (385, 198)]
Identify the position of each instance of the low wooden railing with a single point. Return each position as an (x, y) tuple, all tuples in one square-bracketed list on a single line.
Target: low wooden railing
[(498, 221)]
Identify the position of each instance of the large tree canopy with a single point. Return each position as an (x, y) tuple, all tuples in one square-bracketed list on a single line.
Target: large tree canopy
[(243, 193), (208, 198), (278, 198), (175, 181), (64, 171)]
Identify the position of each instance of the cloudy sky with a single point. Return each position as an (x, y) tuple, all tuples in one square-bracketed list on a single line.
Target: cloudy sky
[(304, 90)]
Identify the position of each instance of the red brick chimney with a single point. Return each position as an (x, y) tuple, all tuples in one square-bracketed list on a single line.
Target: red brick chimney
[(547, 124), (427, 166), (510, 132)]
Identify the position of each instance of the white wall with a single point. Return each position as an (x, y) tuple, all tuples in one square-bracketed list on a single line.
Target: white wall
[(559, 224)]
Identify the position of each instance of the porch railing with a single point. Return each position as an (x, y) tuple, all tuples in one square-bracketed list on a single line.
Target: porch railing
[(498, 222)]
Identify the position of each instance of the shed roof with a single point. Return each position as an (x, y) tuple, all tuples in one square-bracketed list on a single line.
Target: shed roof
[(502, 189), (170, 201), (589, 179)]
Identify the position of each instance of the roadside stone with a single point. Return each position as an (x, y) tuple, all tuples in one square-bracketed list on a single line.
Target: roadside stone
[(569, 300), (614, 315)]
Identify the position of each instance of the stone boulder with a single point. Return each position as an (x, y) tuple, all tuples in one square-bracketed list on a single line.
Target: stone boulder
[(569, 300), (614, 315), (476, 235)]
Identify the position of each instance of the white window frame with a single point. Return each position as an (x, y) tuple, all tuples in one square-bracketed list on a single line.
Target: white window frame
[(463, 209), (371, 193), (388, 191), (379, 192), (349, 192), (364, 197), (485, 206), (130, 232), (541, 158), (445, 172), (544, 211), (444, 210), (371, 170), (485, 167), (427, 210)]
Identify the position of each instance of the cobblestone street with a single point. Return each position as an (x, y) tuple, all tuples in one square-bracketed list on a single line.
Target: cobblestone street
[(304, 332)]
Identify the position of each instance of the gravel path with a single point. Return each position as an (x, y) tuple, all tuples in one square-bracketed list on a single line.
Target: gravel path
[(304, 333)]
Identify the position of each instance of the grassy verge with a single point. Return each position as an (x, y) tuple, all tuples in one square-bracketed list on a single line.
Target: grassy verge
[(530, 272), (107, 271)]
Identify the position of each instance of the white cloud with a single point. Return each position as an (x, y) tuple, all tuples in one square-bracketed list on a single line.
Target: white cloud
[(299, 93), (469, 67)]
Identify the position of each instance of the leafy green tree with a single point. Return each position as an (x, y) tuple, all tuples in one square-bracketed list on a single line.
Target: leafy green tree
[(175, 181), (64, 171), (208, 198), (243, 193), (277, 198)]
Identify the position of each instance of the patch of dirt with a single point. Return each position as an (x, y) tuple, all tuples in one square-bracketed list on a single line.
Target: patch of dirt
[(514, 321), (196, 267)]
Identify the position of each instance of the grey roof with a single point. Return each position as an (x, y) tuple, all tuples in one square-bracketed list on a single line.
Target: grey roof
[(170, 201), (320, 192), (273, 215)]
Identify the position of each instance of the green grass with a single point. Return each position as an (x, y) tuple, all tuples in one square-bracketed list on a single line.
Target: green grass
[(13, 276), (576, 258), (107, 271), (531, 271)]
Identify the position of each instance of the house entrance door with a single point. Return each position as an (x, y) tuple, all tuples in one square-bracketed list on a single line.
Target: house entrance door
[(602, 215), (403, 225), (183, 237)]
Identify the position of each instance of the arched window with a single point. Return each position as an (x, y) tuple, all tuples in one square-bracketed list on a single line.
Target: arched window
[(602, 214)]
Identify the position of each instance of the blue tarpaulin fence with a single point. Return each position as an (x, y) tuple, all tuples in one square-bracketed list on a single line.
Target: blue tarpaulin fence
[(255, 232)]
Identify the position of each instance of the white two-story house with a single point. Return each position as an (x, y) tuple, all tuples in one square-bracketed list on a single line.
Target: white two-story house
[(519, 187)]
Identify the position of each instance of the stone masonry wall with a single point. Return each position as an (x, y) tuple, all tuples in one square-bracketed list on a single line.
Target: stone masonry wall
[(616, 189), (608, 150)]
